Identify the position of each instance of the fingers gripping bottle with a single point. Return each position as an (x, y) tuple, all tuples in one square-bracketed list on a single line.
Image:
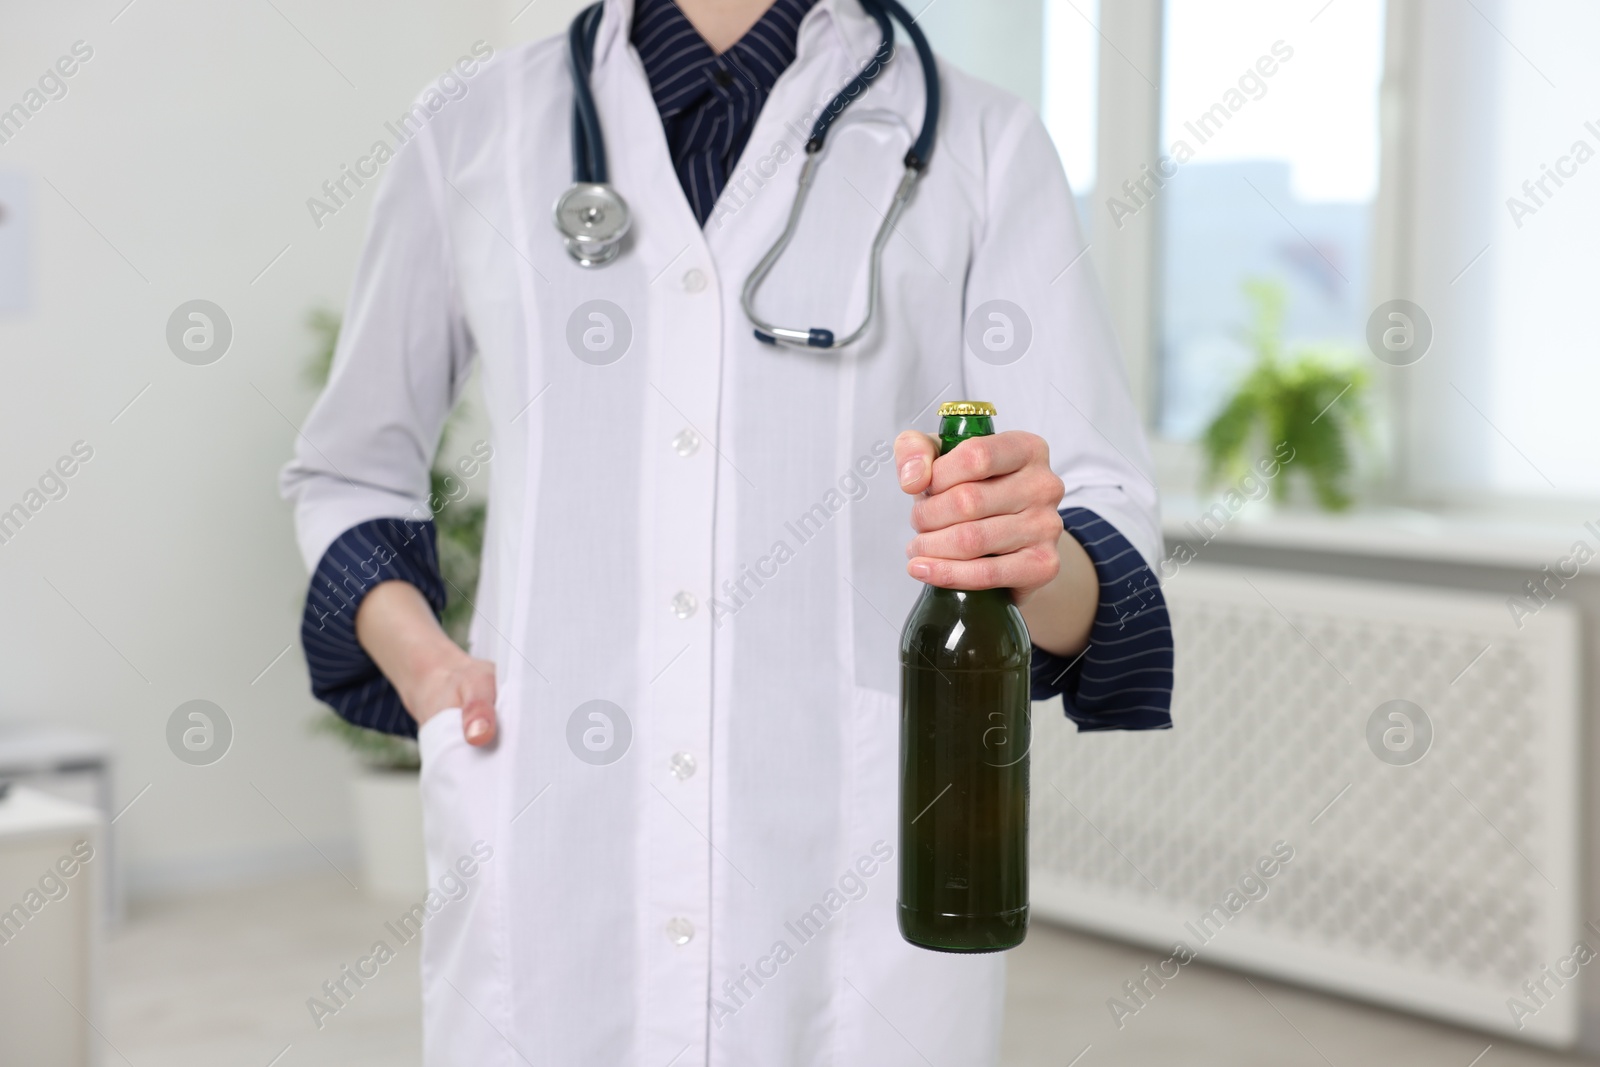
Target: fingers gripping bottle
[(964, 734)]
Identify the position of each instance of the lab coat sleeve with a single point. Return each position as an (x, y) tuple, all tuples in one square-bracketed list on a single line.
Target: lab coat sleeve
[(359, 479), (1038, 344)]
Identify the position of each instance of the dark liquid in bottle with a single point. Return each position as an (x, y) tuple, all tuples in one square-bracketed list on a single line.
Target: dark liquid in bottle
[(964, 736)]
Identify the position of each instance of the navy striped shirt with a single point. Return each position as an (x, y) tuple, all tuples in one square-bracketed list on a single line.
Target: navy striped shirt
[(1123, 680), (709, 102), (342, 674)]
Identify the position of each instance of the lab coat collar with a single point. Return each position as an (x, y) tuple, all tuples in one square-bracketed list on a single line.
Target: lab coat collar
[(841, 23), (616, 23), (838, 23)]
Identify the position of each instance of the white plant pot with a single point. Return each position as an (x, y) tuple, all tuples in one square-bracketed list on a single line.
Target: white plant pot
[(389, 834)]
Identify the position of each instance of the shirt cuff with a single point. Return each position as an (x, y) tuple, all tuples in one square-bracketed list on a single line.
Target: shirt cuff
[(343, 676), (1123, 680)]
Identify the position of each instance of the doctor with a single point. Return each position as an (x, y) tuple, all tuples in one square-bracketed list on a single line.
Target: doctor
[(670, 760)]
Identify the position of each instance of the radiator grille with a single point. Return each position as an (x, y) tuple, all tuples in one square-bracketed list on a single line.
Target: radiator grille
[(1439, 885)]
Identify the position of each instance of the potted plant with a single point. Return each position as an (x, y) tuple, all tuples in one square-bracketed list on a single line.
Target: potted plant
[(1307, 404), (385, 794), (388, 809)]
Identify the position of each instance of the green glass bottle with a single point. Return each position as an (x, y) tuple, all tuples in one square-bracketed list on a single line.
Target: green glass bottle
[(964, 733)]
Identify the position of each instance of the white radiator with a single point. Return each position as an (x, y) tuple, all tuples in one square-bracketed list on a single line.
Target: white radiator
[(1438, 884)]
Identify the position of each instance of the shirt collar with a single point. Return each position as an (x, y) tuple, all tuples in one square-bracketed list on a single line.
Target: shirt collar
[(682, 68)]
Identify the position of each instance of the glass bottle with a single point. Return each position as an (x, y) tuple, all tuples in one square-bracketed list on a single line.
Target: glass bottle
[(964, 734)]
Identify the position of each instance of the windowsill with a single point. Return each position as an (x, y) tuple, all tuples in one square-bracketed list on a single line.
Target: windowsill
[(1389, 533)]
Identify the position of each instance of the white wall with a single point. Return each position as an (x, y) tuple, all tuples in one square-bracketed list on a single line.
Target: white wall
[(187, 146)]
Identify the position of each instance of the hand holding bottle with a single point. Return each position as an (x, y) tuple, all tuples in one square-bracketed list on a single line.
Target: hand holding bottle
[(988, 519)]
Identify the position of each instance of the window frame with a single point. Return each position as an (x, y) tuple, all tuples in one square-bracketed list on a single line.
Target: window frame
[(1128, 136)]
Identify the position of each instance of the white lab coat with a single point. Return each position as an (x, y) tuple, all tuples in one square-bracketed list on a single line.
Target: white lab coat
[(742, 915)]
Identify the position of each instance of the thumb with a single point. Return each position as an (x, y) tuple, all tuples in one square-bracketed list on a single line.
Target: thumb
[(478, 723), (914, 454)]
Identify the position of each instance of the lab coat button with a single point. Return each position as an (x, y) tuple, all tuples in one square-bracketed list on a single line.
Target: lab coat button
[(687, 443), (682, 765), (684, 604), (681, 930), (694, 280)]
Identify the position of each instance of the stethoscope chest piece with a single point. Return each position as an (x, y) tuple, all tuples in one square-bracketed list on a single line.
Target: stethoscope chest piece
[(593, 219)]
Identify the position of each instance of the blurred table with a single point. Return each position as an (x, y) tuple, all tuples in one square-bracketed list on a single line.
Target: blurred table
[(73, 765), (50, 929)]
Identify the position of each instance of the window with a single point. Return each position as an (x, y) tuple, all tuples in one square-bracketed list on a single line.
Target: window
[(1071, 94), (1505, 208), (1226, 142), (1269, 136)]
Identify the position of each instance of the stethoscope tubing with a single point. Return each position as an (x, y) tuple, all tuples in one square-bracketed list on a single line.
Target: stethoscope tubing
[(922, 149), (588, 144), (916, 162), (589, 164)]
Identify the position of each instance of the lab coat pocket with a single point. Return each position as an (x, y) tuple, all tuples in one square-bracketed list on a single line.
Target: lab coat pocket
[(462, 989), (455, 797), (437, 731), (457, 806)]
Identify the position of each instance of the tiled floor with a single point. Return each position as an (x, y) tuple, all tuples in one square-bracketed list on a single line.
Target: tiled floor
[(223, 980)]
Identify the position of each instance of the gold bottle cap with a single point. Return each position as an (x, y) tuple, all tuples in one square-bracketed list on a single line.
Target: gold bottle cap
[(966, 407)]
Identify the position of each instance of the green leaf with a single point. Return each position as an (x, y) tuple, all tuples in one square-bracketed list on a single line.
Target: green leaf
[(1313, 400), (384, 752)]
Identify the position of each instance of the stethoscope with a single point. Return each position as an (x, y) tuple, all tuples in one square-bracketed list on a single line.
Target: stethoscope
[(594, 219)]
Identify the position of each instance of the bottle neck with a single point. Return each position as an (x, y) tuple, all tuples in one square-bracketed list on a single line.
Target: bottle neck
[(953, 429)]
